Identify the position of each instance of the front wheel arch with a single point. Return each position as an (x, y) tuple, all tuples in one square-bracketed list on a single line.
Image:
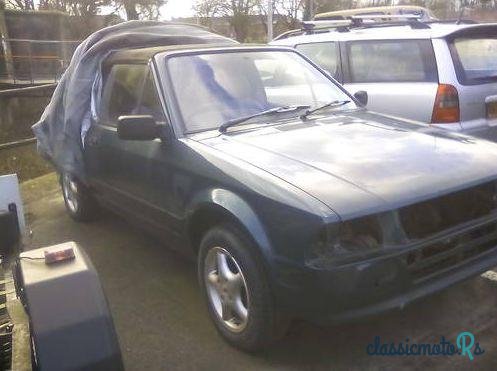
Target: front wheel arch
[(217, 206)]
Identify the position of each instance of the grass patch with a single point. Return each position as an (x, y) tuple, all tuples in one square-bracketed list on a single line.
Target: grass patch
[(25, 161)]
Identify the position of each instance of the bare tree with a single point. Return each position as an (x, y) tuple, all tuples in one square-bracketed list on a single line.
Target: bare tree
[(286, 10), (262, 8), (140, 9), (205, 11), (21, 4), (129, 7), (238, 13), (289, 9), (134, 9), (83, 8)]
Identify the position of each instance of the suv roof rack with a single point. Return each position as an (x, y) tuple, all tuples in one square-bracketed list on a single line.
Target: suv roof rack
[(311, 27), (456, 21), (357, 21)]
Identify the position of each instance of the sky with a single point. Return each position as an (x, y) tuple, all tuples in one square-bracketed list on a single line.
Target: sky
[(173, 9), (183, 8), (177, 9)]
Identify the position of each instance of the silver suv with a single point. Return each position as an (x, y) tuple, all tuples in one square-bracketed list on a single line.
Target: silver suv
[(440, 73)]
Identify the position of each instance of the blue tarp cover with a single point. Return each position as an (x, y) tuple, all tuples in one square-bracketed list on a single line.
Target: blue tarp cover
[(73, 107)]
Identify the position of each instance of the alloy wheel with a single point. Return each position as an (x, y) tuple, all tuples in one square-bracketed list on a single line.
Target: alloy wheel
[(226, 289), (70, 189)]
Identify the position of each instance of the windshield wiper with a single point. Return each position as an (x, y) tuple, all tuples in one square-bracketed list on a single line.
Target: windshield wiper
[(333, 104), (281, 109)]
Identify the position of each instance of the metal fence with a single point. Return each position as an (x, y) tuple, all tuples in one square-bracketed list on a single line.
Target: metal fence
[(24, 61), (17, 143), (24, 92)]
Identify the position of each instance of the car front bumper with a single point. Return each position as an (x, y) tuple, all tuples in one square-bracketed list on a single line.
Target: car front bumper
[(390, 282)]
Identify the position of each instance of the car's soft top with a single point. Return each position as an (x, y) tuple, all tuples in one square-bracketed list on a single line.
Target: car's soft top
[(145, 54), (65, 121)]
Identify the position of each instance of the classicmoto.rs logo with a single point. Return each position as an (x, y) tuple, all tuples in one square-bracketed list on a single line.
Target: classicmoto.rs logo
[(465, 346)]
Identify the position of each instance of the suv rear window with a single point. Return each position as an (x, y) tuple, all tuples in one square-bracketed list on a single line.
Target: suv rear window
[(324, 54), (475, 59), (392, 61)]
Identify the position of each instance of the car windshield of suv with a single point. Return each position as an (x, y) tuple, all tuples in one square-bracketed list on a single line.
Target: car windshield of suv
[(477, 57), (223, 86)]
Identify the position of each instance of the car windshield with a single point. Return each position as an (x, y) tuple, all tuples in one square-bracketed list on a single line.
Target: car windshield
[(224, 86)]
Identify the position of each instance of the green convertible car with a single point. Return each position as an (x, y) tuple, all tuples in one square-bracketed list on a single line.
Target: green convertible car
[(295, 200)]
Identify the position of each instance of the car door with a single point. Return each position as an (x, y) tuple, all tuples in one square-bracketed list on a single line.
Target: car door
[(103, 150), (132, 176), (400, 76)]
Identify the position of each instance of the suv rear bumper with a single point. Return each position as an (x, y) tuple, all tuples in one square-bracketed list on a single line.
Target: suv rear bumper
[(480, 128), (484, 132)]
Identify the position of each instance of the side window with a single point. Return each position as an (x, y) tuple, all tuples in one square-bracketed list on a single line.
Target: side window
[(149, 103), (122, 91), (392, 61), (324, 54)]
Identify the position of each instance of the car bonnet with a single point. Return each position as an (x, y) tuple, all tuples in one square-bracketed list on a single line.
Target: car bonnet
[(359, 163)]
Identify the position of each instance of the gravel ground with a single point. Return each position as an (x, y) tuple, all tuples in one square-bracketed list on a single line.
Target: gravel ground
[(162, 322)]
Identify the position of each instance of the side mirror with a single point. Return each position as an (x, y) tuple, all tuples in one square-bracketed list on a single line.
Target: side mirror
[(138, 127), (362, 97)]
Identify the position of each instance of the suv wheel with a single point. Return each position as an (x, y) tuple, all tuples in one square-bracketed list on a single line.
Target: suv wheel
[(236, 289), (79, 203)]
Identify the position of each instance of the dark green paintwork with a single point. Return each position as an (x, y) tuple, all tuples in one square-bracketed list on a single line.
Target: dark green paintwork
[(284, 182)]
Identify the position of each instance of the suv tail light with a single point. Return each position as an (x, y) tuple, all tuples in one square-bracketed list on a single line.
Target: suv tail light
[(446, 108)]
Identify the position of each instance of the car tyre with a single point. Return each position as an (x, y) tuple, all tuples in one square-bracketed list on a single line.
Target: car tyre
[(233, 281), (78, 200)]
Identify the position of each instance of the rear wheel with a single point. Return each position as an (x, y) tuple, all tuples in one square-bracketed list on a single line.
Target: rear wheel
[(80, 204), (235, 286)]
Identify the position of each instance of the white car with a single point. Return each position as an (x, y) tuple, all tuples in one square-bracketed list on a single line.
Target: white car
[(440, 73)]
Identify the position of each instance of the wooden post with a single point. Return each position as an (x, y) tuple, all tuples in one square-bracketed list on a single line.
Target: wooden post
[(269, 20), (4, 40)]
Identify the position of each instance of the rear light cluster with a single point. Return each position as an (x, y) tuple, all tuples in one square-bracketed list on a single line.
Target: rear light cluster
[(446, 108)]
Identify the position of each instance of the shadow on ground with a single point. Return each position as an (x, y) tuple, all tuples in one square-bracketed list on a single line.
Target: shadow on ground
[(162, 322)]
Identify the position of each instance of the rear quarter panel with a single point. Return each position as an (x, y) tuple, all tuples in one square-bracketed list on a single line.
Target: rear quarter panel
[(471, 97)]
